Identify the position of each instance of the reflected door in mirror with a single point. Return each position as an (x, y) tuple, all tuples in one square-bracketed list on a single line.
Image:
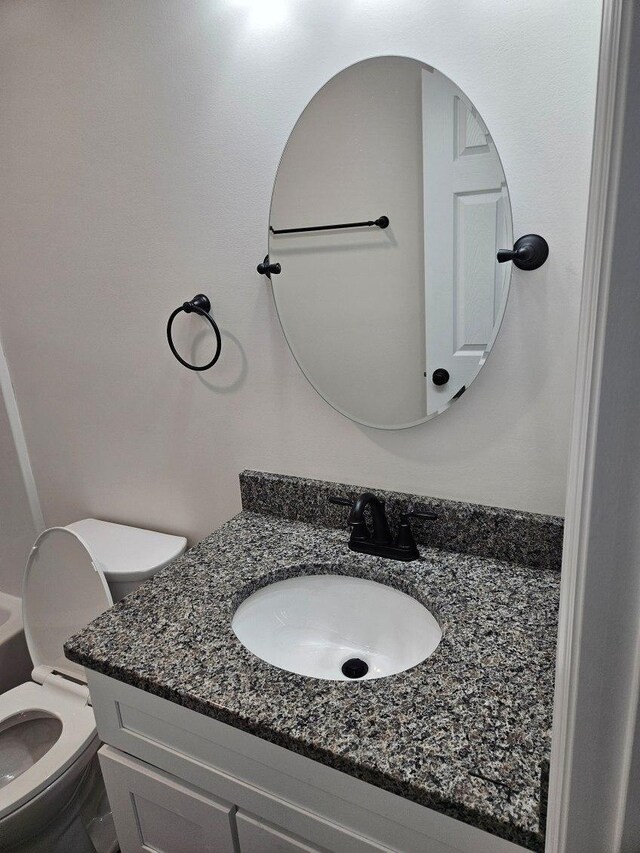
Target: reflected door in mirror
[(371, 313)]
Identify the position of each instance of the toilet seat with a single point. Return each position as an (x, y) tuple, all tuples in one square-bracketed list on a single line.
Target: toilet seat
[(63, 591), (48, 734), (78, 734)]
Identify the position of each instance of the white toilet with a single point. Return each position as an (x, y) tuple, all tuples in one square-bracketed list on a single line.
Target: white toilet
[(52, 798)]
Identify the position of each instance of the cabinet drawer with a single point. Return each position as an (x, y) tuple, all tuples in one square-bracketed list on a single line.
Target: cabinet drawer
[(156, 813), (256, 836)]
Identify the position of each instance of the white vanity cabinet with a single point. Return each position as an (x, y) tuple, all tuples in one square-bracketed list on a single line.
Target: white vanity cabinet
[(181, 782), (255, 836), (154, 811)]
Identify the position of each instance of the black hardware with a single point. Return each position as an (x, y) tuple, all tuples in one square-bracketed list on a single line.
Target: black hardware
[(405, 540), (268, 269), (440, 376), (460, 393), (355, 668), (381, 222), (528, 253), (340, 501), (198, 305), (381, 533), (359, 530), (379, 542)]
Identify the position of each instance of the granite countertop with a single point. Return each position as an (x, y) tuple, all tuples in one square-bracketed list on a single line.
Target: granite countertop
[(466, 732)]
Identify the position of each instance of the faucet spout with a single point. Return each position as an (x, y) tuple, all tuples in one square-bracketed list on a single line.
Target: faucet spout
[(381, 533)]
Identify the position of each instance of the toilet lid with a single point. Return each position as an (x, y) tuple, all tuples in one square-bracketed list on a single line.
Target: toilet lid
[(127, 553), (63, 590)]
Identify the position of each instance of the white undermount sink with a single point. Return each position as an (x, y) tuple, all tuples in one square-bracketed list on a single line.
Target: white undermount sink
[(315, 625)]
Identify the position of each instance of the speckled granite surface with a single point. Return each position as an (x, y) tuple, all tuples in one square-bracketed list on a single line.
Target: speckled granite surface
[(486, 531), (466, 732)]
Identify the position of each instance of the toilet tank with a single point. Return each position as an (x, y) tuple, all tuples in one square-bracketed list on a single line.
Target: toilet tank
[(127, 555)]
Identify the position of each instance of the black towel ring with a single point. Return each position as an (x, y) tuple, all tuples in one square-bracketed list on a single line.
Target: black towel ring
[(199, 305)]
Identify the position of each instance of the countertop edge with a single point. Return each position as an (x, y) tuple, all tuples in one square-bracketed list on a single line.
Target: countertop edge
[(454, 810)]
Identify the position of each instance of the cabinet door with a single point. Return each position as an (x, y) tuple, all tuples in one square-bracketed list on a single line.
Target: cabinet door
[(154, 812), (258, 837)]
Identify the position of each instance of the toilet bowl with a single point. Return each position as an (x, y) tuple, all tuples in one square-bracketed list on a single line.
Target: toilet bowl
[(51, 793)]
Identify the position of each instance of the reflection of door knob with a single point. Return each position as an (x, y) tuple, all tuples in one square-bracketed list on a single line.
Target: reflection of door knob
[(528, 253), (440, 376)]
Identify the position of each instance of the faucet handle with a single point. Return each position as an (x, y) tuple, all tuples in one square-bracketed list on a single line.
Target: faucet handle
[(333, 499), (405, 540), (359, 529), (412, 513)]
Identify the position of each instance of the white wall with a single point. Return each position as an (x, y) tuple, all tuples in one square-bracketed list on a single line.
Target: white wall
[(139, 145), (20, 519)]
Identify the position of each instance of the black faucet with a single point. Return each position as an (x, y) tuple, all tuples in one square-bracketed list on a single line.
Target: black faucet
[(379, 541)]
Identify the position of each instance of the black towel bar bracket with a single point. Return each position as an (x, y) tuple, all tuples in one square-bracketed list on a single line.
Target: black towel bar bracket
[(198, 305), (268, 269)]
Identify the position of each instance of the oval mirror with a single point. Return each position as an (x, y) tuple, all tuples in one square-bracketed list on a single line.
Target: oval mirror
[(388, 208)]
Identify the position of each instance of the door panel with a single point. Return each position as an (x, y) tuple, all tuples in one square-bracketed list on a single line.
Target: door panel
[(466, 209)]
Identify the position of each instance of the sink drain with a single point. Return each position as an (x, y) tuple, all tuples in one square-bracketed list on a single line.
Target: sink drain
[(355, 668)]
